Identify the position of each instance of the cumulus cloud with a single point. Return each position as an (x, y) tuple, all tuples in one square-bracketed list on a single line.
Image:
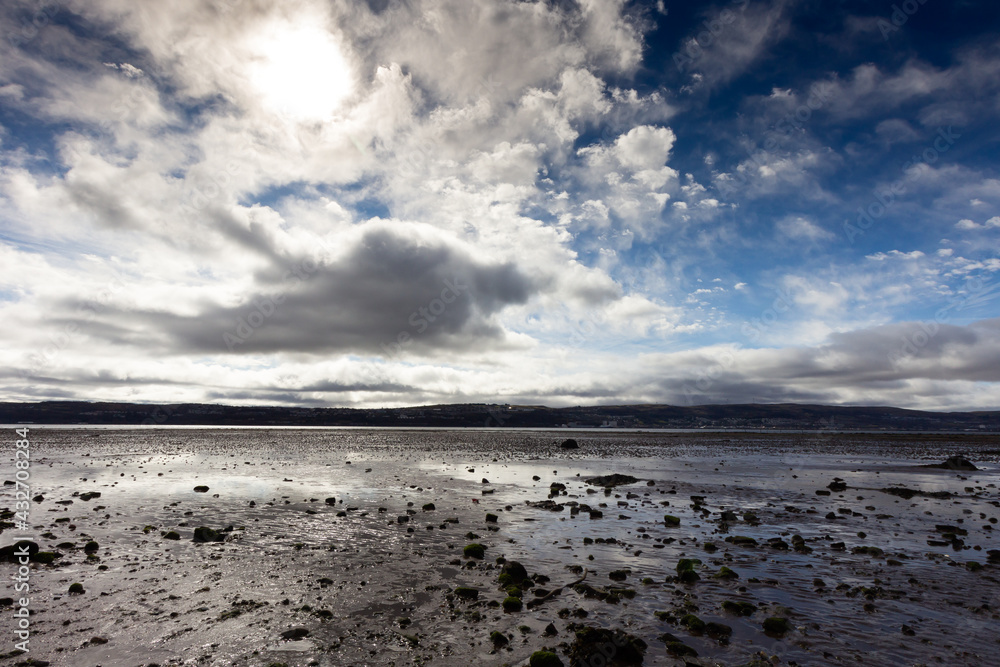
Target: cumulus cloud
[(394, 202)]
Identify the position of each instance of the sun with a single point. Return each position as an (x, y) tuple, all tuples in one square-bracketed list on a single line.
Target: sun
[(298, 70)]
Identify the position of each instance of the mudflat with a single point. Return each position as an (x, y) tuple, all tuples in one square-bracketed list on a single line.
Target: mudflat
[(289, 546)]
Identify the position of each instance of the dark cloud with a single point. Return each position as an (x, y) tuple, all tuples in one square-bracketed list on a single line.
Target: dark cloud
[(396, 289)]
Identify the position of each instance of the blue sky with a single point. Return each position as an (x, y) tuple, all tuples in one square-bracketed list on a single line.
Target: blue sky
[(576, 202)]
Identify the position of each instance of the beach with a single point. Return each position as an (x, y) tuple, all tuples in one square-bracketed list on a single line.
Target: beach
[(349, 547)]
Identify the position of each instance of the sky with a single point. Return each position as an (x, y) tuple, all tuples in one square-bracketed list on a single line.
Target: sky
[(563, 202)]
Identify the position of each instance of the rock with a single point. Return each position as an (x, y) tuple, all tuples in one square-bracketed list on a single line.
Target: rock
[(544, 659), (91, 547), (206, 534), (837, 485), (739, 607), (295, 633), (618, 575), (718, 631), (475, 551), (76, 589), (549, 505), (491, 518), (511, 604), (556, 487), (11, 552), (331, 501), (693, 623), (90, 495), (512, 573), (550, 630), (687, 565), (428, 507), (467, 593), (201, 489), (741, 541), (776, 625), (679, 648), (591, 646), (907, 494), (611, 480), (954, 463), (569, 443)]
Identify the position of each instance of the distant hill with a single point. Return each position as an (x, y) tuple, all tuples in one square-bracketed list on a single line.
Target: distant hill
[(755, 416)]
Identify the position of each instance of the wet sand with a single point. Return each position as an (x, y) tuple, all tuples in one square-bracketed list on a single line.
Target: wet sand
[(370, 579)]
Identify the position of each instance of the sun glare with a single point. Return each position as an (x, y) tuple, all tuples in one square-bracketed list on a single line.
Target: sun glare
[(300, 71)]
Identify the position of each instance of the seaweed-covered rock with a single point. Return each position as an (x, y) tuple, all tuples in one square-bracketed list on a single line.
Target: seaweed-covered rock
[(693, 623), (544, 659), (954, 463), (46, 557), (205, 534), (777, 626), (611, 480), (725, 573), (76, 589), (679, 649), (718, 631), (739, 607), (512, 573), (671, 521), (512, 604), (498, 639), (474, 551), (171, 535), (614, 648)]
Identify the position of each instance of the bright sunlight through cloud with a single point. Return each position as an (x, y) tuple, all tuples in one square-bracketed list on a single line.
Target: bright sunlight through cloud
[(300, 71)]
